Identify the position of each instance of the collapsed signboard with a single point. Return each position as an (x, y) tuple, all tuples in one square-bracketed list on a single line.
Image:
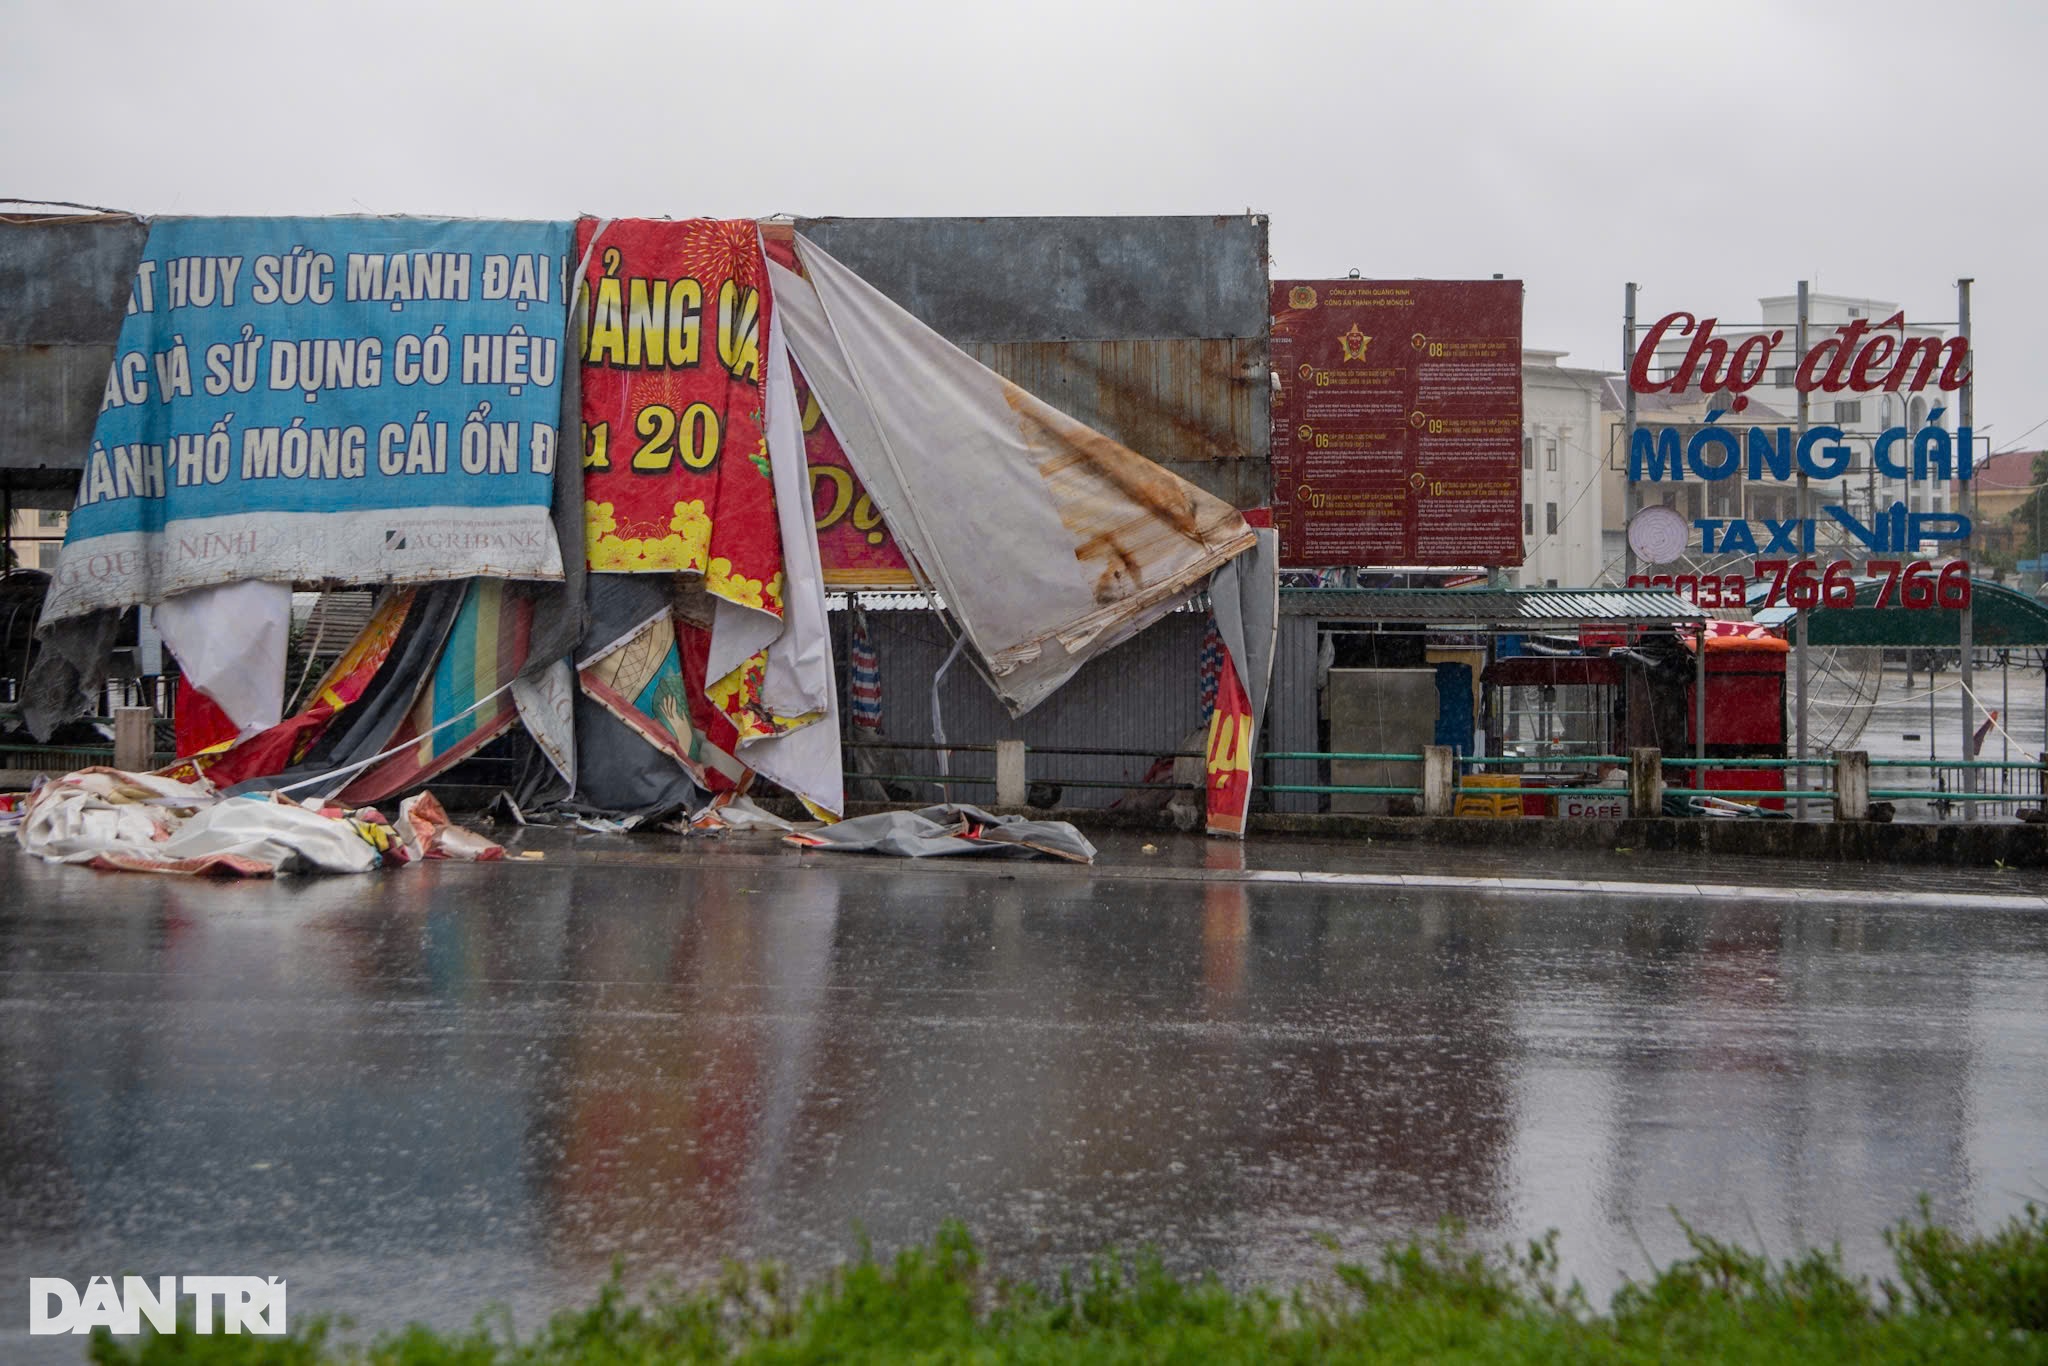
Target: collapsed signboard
[(1397, 424), (372, 400)]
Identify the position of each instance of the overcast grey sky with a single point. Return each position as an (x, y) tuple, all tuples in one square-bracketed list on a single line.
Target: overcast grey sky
[(1714, 153)]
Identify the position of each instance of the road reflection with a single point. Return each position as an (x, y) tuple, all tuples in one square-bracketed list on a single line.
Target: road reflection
[(449, 1078)]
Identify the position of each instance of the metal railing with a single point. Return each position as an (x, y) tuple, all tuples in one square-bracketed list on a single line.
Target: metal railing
[(1342, 789), (1749, 794), (1953, 782)]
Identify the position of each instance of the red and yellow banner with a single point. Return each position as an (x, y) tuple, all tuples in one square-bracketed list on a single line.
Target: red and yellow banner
[(855, 548), (675, 452), (1229, 766)]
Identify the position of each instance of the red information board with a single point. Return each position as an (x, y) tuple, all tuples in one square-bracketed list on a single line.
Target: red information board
[(1397, 427)]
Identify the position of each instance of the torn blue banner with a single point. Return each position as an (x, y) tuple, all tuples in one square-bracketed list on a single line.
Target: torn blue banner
[(374, 400)]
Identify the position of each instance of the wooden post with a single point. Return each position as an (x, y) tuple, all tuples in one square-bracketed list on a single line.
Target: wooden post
[(134, 739), (1645, 783), (1439, 779), (1852, 785), (1009, 773)]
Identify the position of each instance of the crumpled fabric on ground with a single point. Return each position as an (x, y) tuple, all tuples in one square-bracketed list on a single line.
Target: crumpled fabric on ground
[(141, 822), (729, 811), (953, 828)]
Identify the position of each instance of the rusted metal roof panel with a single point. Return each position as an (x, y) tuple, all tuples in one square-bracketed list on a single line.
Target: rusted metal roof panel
[(1192, 399), (1063, 279), (1152, 330), (1493, 606), (63, 288)]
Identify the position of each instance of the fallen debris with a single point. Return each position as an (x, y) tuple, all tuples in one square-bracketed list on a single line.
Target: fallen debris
[(141, 822), (952, 828), (728, 811)]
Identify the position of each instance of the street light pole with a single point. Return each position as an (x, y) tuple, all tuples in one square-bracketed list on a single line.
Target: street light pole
[(1965, 629), (1631, 496), (1799, 624)]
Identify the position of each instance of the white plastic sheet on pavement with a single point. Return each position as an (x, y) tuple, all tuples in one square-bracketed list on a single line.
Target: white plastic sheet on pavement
[(133, 820)]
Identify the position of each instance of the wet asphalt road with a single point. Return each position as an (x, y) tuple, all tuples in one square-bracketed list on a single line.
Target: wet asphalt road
[(414, 1093)]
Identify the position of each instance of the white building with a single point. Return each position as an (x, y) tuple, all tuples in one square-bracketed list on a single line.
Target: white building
[(1563, 453), (34, 537), (1860, 416)]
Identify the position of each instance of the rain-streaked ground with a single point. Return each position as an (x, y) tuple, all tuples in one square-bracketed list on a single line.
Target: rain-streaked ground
[(414, 1093)]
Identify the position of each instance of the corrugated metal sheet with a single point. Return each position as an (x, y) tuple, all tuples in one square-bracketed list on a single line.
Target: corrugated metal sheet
[(1144, 695), (63, 288), (327, 623), (1153, 330), (1491, 606), (1294, 714), (1188, 404), (1063, 279)]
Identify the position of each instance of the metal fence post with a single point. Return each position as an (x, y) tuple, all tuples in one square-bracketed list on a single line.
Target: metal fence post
[(1439, 779), (1645, 782), (1852, 785), (134, 739)]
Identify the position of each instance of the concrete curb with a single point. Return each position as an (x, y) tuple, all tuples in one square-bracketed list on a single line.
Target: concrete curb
[(1983, 845)]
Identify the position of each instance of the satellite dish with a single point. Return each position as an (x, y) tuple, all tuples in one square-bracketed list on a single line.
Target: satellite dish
[(1657, 534)]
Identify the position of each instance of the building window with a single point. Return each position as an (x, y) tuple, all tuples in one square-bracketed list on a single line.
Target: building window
[(1528, 452), (1550, 583), (1528, 519), (1849, 410), (1785, 376), (1550, 519), (1550, 455), (50, 521)]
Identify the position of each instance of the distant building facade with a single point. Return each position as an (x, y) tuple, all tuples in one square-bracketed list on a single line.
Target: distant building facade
[(30, 542), (1563, 451)]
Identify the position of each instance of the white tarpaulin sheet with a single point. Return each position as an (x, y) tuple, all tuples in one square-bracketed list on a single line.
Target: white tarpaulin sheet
[(142, 821), (229, 640), (1047, 541), (799, 676)]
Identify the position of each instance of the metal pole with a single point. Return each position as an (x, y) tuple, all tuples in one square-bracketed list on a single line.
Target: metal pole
[(1699, 704), (1965, 629), (1630, 494), (1799, 623)]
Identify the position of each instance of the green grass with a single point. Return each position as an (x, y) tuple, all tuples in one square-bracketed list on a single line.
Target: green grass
[(1951, 1298)]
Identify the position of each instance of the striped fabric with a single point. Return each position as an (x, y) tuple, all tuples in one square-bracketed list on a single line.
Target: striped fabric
[(1212, 665), (485, 650), (864, 677)]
